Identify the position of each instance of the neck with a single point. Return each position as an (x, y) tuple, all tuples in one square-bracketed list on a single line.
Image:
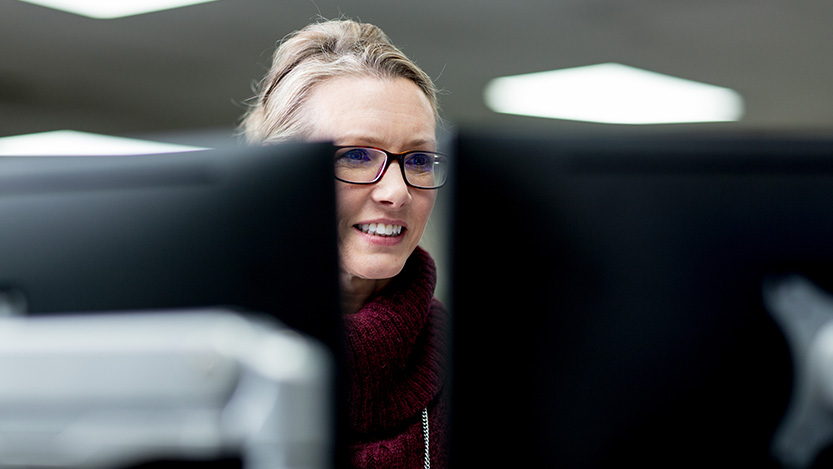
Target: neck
[(357, 291)]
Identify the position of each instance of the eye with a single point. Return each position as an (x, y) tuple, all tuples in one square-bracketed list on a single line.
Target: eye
[(355, 157), (419, 161)]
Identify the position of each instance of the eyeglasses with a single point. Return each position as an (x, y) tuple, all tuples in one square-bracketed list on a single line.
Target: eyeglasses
[(367, 165)]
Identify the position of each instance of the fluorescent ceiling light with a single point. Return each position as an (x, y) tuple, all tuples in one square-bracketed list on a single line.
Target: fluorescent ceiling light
[(614, 94), (107, 9), (70, 142)]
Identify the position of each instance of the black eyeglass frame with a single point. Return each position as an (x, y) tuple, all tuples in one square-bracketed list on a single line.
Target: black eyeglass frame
[(390, 158)]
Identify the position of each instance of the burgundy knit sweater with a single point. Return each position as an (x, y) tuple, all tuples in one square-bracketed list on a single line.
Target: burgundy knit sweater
[(396, 362)]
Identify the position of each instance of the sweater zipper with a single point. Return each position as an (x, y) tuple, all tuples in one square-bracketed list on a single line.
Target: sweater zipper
[(427, 463)]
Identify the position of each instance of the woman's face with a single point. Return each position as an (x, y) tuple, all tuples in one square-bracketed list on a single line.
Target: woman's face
[(393, 115)]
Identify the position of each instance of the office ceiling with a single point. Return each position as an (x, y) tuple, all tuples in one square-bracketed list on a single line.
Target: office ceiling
[(185, 73)]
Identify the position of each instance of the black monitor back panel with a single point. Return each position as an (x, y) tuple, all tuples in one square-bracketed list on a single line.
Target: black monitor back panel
[(608, 295)]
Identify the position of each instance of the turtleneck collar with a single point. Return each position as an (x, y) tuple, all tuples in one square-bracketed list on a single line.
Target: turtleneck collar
[(394, 349)]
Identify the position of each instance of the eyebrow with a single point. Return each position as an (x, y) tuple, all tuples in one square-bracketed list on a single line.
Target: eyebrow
[(375, 142)]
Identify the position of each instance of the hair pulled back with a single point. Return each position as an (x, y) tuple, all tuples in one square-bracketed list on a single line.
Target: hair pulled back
[(314, 54)]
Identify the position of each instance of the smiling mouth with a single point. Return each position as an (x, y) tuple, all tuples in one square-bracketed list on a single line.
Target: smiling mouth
[(380, 229)]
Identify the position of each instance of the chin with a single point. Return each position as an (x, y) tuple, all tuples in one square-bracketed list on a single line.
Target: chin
[(374, 267)]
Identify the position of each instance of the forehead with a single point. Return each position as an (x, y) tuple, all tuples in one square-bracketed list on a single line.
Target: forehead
[(393, 114)]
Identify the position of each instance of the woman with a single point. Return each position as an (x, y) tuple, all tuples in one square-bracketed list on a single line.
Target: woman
[(344, 82)]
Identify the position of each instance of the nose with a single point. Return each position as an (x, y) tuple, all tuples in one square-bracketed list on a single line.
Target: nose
[(391, 190)]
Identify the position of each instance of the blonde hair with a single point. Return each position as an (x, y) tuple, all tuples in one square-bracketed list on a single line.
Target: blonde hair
[(318, 52)]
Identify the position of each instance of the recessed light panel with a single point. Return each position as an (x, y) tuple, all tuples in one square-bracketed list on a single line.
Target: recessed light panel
[(70, 142), (612, 93), (106, 9)]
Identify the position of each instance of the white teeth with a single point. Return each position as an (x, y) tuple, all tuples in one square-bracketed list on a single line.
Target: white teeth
[(380, 229)]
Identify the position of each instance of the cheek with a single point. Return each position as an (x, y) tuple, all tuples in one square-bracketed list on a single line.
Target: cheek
[(349, 199), (342, 211), (423, 205)]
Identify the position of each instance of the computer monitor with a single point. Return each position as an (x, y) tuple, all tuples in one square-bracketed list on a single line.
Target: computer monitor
[(610, 296), (246, 229)]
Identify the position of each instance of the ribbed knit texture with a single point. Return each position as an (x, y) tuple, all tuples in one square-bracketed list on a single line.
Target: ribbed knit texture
[(396, 360)]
